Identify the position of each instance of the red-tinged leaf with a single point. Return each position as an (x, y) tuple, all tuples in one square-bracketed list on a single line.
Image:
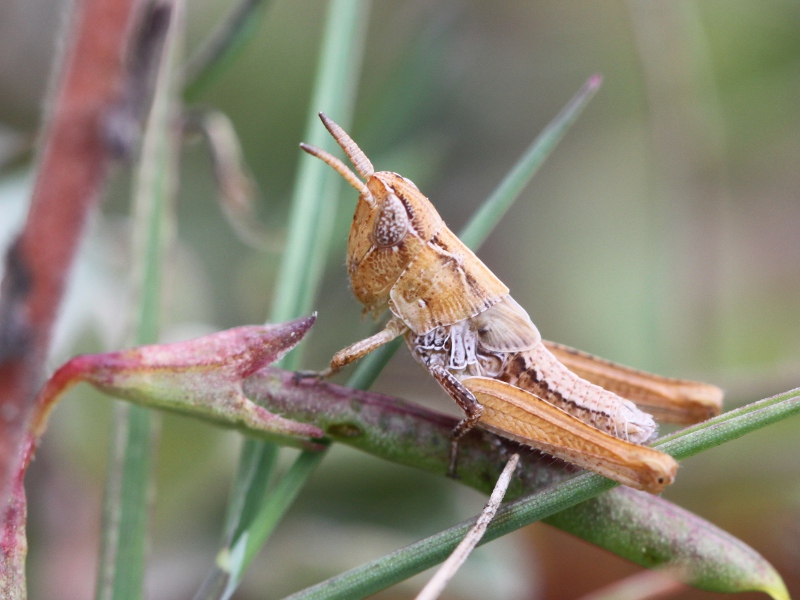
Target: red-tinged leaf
[(201, 378)]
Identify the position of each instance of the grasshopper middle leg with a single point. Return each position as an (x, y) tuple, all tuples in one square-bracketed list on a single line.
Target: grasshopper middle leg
[(466, 401)]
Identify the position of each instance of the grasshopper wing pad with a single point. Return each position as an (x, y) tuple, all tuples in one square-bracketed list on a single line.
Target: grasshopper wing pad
[(444, 284), (506, 327), (516, 414), (670, 400)]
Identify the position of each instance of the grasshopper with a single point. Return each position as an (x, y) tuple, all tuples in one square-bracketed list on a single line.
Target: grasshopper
[(462, 325)]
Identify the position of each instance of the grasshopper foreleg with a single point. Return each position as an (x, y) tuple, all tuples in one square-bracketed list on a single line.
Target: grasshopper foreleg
[(394, 328), (466, 401)]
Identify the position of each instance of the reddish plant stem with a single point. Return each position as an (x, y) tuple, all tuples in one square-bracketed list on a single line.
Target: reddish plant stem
[(13, 543), (72, 163)]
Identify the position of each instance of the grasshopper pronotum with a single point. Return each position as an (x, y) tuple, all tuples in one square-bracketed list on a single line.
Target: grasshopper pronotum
[(462, 325)]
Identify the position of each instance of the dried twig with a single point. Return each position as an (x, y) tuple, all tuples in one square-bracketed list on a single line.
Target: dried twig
[(434, 588)]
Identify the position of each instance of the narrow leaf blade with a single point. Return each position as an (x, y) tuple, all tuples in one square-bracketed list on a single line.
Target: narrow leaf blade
[(313, 202), (496, 205)]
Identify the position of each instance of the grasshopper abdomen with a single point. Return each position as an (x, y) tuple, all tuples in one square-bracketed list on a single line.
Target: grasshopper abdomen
[(540, 373), (474, 348)]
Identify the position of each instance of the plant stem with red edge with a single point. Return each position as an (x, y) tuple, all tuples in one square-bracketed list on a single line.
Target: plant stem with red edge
[(72, 163)]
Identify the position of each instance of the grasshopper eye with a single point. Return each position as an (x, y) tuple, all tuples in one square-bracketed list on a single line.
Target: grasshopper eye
[(391, 225)]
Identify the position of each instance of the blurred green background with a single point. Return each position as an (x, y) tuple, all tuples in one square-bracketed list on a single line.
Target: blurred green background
[(663, 233)]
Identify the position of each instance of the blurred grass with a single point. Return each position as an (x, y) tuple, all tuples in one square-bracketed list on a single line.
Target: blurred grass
[(256, 509), (128, 496)]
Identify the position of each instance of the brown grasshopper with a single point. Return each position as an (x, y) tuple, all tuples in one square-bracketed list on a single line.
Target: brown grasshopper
[(461, 324)]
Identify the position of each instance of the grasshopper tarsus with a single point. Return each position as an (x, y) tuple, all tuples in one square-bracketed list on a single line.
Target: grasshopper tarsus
[(452, 470), (474, 411)]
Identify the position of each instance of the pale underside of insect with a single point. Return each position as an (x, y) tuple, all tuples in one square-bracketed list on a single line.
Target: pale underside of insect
[(461, 324)]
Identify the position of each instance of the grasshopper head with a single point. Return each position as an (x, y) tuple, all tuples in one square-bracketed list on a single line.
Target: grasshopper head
[(392, 222)]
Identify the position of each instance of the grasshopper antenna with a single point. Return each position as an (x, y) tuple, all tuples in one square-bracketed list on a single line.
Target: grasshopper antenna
[(354, 153), (340, 168)]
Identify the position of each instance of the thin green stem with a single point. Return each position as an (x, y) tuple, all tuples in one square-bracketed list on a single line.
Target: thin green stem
[(313, 203), (261, 463), (222, 45), (340, 59), (126, 503), (223, 580), (729, 426), (496, 205), (280, 499)]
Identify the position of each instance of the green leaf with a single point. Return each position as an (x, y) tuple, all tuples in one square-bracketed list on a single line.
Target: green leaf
[(655, 533)]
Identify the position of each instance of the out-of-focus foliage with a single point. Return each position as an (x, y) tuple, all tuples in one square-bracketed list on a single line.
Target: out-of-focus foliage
[(662, 234)]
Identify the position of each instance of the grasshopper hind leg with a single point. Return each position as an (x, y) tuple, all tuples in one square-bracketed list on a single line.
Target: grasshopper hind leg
[(466, 400)]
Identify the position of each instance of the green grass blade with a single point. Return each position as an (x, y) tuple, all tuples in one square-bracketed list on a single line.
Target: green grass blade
[(493, 209), (261, 463), (280, 499), (496, 205), (247, 545), (222, 581), (313, 201), (729, 426), (404, 563), (342, 47), (126, 507)]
